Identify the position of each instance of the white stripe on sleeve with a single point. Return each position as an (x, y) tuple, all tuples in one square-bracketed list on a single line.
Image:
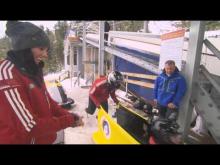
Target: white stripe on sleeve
[(22, 103), (16, 111)]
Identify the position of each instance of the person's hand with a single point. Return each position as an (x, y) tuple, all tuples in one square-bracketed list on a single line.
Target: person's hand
[(99, 107), (171, 106), (117, 105), (77, 120), (155, 102)]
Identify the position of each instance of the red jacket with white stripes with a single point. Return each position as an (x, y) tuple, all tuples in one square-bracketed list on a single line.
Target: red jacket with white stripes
[(100, 91), (27, 112)]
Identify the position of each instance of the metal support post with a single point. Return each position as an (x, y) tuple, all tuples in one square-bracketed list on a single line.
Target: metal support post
[(196, 37), (101, 48)]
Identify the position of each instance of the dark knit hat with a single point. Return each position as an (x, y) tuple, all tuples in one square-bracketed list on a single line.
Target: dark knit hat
[(26, 35)]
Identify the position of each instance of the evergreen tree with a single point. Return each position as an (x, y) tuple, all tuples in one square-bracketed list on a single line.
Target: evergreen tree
[(132, 26), (4, 46), (210, 25), (55, 60), (60, 31), (51, 64)]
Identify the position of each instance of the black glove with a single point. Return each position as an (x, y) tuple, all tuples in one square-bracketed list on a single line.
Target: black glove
[(172, 116)]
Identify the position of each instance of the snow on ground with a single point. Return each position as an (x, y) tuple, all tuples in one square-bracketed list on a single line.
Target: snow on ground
[(52, 76), (67, 84), (80, 135)]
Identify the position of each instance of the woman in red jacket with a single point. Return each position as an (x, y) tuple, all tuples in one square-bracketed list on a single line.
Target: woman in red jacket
[(28, 115)]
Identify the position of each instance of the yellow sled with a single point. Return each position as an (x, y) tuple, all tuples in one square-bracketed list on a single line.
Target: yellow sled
[(109, 132)]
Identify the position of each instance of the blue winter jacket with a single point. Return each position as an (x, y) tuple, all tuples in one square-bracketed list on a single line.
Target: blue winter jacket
[(169, 89)]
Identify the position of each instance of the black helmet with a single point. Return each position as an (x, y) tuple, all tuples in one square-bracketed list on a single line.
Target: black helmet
[(115, 78)]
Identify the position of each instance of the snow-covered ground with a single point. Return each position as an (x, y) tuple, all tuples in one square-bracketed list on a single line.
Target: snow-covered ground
[(79, 135), (52, 76)]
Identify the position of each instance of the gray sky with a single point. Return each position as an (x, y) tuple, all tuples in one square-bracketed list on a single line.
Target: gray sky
[(48, 24)]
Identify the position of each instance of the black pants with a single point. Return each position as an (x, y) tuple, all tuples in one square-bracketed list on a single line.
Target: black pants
[(167, 113), (92, 107)]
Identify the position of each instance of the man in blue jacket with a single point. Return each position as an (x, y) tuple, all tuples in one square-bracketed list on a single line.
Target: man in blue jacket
[(169, 89)]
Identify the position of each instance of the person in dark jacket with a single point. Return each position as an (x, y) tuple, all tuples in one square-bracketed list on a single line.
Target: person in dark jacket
[(28, 115), (169, 89)]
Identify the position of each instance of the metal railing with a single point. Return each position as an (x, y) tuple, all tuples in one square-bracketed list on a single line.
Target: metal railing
[(138, 82), (214, 50)]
